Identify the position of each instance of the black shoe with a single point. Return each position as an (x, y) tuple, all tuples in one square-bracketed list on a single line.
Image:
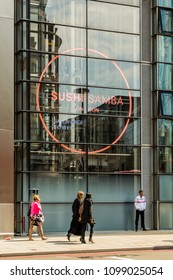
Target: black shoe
[(136, 229), (144, 229), (82, 240), (68, 236), (91, 240)]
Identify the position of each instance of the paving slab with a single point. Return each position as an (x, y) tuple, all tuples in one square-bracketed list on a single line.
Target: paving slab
[(103, 241)]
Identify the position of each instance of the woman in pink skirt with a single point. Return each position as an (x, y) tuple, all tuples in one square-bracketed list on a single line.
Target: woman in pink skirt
[(36, 217)]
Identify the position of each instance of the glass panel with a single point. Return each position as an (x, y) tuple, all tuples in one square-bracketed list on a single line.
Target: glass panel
[(113, 74), (113, 102), (63, 69), (166, 104), (55, 213), (57, 216), (165, 49), (128, 2), (57, 187), (71, 99), (54, 38), (165, 132), (81, 128), (165, 74), (72, 70), (166, 216), (114, 45), (113, 17), (114, 188), (125, 223), (166, 3), (165, 21), (59, 11), (165, 160), (166, 187), (53, 157), (119, 160)]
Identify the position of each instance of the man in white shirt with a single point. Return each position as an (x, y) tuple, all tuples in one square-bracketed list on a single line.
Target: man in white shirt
[(140, 205)]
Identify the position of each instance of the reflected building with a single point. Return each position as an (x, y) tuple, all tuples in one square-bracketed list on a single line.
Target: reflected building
[(91, 96)]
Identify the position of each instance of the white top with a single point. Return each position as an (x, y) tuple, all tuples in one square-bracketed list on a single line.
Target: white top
[(140, 203)]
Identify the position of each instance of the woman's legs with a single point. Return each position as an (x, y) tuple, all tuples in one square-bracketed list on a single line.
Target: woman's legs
[(82, 239), (91, 233), (72, 224), (30, 231), (41, 231)]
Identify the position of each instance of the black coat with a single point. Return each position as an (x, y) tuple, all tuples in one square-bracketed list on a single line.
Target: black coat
[(75, 226), (87, 212), (75, 209)]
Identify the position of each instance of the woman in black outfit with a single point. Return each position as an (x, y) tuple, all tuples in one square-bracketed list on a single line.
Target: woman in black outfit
[(87, 218), (75, 225)]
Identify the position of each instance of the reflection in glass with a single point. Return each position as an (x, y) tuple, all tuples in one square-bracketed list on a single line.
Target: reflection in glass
[(113, 74), (113, 17), (119, 160), (114, 45), (166, 104), (166, 3), (166, 216), (125, 187), (165, 21), (78, 100), (166, 187), (63, 69), (53, 157), (56, 39), (165, 160), (128, 2), (165, 76), (165, 49), (84, 129), (59, 11), (165, 130)]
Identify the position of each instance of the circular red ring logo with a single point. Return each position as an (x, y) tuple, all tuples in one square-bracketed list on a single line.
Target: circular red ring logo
[(41, 117)]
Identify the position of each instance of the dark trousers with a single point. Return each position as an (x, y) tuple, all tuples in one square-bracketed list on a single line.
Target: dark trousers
[(140, 213), (84, 229)]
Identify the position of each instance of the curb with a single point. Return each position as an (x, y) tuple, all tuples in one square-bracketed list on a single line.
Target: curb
[(85, 251)]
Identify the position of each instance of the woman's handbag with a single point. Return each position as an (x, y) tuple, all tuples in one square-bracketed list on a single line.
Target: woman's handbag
[(37, 218)]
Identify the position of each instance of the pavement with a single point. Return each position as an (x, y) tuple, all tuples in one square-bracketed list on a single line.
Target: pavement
[(103, 242)]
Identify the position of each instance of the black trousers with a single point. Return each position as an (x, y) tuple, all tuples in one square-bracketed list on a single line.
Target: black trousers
[(84, 229), (140, 213)]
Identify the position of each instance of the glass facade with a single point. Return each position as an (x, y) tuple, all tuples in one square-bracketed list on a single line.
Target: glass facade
[(82, 99), (163, 112), (78, 108)]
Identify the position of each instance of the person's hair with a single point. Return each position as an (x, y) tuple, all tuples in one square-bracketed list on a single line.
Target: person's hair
[(140, 191), (36, 197), (80, 194), (88, 195)]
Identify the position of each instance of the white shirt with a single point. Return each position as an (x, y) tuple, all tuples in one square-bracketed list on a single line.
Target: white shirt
[(140, 203)]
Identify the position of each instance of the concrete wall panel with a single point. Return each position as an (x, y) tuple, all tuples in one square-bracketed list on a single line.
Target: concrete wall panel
[(6, 220), (6, 167), (7, 9), (6, 73)]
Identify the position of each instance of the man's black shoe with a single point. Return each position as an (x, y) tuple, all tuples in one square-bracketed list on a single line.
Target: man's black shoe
[(144, 229), (136, 229)]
